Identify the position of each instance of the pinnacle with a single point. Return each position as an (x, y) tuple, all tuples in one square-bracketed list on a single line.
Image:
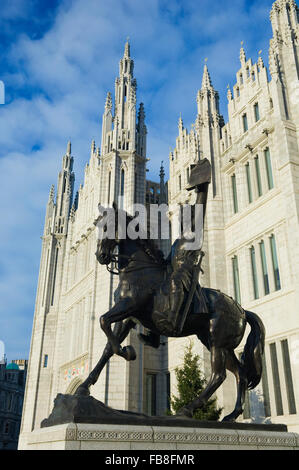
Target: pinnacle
[(242, 55), (69, 148), (181, 124), (108, 104), (52, 193), (127, 49), (206, 79)]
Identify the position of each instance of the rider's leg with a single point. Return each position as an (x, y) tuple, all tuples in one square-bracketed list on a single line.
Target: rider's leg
[(176, 300)]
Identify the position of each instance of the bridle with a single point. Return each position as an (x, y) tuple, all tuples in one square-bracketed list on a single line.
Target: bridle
[(115, 258)]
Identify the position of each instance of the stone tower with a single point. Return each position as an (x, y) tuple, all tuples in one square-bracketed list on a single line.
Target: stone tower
[(74, 289), (123, 154)]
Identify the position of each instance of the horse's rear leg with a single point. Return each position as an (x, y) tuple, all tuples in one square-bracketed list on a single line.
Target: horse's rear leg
[(236, 368), (218, 359), (122, 330)]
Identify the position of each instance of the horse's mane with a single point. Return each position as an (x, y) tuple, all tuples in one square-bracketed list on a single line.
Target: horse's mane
[(148, 245)]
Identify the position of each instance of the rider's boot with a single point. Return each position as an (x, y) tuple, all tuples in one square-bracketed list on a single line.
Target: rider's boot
[(151, 339)]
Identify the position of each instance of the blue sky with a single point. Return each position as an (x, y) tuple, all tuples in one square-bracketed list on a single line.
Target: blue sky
[(58, 60)]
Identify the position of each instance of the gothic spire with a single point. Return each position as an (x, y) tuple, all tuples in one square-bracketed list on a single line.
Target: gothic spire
[(181, 124), (69, 148), (52, 193), (108, 104), (206, 79), (127, 50)]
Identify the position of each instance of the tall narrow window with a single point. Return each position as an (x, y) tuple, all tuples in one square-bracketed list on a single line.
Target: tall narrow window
[(248, 177), (276, 380), (188, 173), (245, 122), (54, 276), (151, 386), (288, 376), (109, 186), (265, 386), (256, 112), (46, 360), (254, 273), (135, 187), (264, 268), (241, 78), (258, 175), (275, 263), (247, 72), (269, 168), (235, 196), (180, 182), (236, 278), (122, 183)]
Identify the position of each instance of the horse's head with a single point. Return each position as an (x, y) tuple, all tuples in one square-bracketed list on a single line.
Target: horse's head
[(107, 234)]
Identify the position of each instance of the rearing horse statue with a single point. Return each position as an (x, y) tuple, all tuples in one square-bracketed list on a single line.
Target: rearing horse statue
[(220, 327)]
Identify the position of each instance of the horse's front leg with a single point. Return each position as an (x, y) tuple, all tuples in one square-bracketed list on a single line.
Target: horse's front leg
[(122, 310), (120, 329)]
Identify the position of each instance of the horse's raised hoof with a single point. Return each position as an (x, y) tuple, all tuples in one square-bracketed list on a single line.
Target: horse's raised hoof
[(82, 391), (185, 412), (128, 353)]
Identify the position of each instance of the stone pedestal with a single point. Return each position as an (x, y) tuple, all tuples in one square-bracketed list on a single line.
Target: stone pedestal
[(117, 437)]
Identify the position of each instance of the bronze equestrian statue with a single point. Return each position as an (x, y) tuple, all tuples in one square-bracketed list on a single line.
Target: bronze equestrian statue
[(166, 298)]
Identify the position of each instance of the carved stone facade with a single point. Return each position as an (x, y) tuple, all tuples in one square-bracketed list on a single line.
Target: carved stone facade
[(252, 231)]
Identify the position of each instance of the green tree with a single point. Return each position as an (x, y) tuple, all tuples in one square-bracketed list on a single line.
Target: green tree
[(190, 383)]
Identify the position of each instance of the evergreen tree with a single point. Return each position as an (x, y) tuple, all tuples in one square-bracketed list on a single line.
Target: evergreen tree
[(190, 383)]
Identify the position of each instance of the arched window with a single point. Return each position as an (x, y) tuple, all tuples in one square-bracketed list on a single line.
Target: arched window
[(241, 78), (238, 91)]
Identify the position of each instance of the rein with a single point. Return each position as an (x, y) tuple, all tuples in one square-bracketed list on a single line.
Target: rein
[(115, 258)]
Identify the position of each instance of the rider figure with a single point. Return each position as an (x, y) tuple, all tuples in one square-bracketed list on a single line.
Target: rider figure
[(182, 260)]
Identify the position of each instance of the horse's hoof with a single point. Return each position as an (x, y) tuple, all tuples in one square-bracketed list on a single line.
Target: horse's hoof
[(128, 352), (228, 419), (82, 391), (185, 412)]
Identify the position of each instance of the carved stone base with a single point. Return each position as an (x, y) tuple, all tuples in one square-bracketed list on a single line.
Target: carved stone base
[(117, 437)]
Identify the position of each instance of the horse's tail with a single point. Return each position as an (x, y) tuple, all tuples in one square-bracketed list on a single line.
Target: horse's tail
[(254, 350)]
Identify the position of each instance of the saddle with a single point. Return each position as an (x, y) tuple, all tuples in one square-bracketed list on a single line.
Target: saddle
[(198, 304)]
